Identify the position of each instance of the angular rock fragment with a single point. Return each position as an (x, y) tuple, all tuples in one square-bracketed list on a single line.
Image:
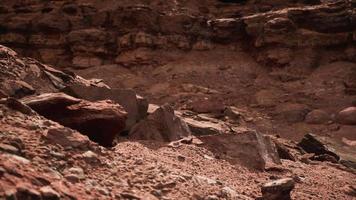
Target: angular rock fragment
[(101, 121), (162, 125), (284, 152), (278, 190), (135, 105), (250, 149), (201, 126), (329, 149), (311, 144)]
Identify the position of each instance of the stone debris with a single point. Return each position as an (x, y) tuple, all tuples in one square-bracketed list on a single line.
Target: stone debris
[(227, 87), (279, 189)]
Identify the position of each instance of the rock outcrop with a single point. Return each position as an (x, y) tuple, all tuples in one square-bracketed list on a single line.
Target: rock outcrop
[(135, 105), (86, 34), (101, 121), (25, 76)]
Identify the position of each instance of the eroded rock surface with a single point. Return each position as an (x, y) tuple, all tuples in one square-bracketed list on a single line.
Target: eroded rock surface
[(250, 149), (161, 125), (101, 121)]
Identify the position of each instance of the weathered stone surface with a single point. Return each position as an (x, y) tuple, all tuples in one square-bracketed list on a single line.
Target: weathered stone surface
[(16, 88), (135, 105), (67, 138), (50, 101), (322, 25), (162, 125), (89, 40), (49, 193), (268, 97), (292, 112), (86, 61), (284, 152), (278, 190), (51, 24), (101, 121), (317, 117), (250, 149), (347, 116), (320, 146), (24, 76), (207, 106), (202, 125)]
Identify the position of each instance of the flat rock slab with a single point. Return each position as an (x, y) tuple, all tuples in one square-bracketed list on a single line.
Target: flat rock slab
[(162, 125), (202, 125), (250, 149), (135, 105)]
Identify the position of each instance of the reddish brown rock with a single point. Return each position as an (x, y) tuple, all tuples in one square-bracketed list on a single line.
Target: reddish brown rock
[(101, 121), (66, 138), (347, 116), (317, 117), (208, 106), (161, 125), (135, 105), (278, 190), (292, 112), (250, 149)]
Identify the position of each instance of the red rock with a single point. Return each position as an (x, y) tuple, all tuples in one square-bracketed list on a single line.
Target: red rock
[(66, 138), (347, 116), (250, 149), (278, 190), (49, 193), (292, 112), (317, 117), (161, 125), (135, 105), (101, 121)]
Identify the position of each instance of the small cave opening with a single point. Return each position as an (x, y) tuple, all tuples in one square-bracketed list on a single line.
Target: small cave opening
[(100, 127)]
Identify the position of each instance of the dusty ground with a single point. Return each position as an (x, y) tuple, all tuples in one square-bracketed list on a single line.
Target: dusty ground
[(148, 170), (274, 61)]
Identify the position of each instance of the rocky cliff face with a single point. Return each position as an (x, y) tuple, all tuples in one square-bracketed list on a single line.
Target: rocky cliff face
[(88, 33), (250, 99)]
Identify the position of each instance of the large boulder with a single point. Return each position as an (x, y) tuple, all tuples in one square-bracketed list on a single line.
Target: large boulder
[(347, 116), (135, 105), (162, 125), (250, 149), (101, 121)]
